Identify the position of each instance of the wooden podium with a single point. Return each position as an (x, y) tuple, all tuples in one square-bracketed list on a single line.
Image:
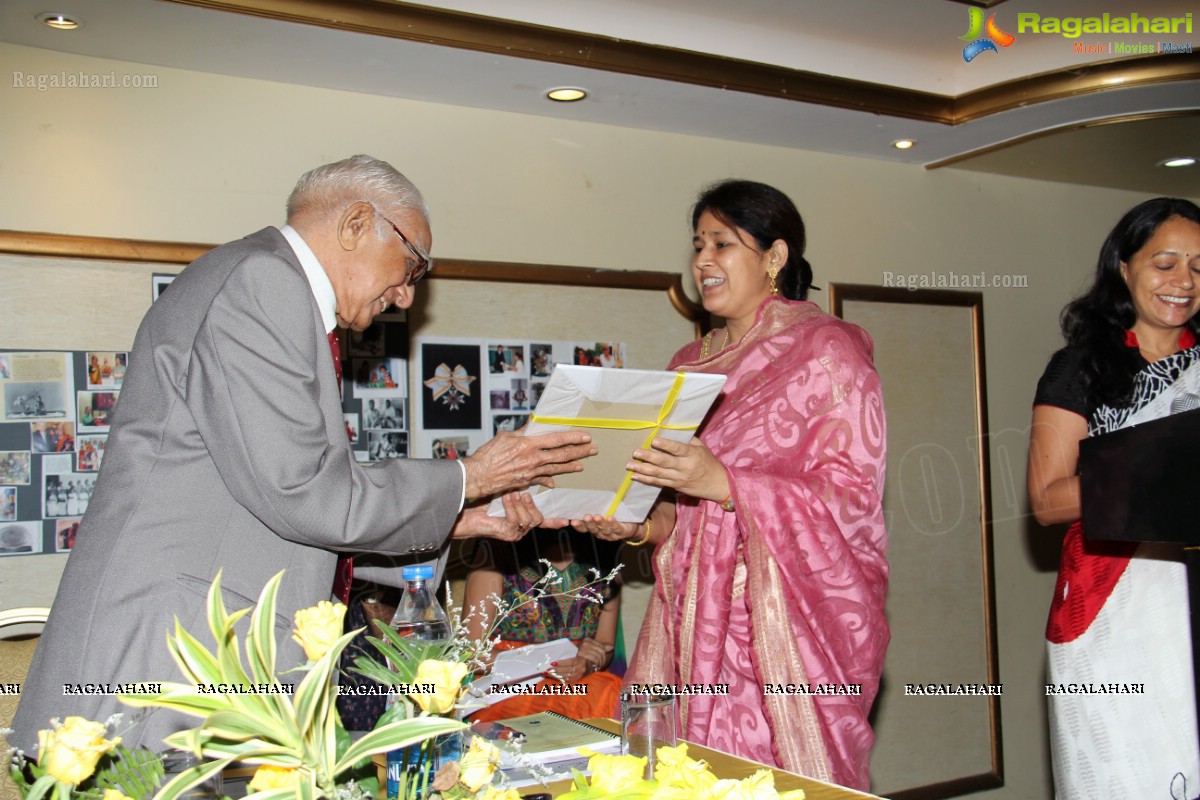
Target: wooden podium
[(1142, 484)]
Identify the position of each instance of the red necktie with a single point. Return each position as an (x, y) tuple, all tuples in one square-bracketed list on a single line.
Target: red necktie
[(345, 564)]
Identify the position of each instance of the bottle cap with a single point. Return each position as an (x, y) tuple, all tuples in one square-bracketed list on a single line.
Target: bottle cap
[(421, 572)]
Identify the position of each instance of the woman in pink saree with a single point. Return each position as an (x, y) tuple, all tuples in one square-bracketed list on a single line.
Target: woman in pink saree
[(770, 566)]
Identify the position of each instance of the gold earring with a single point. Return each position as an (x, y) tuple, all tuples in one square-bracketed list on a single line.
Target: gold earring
[(774, 289)]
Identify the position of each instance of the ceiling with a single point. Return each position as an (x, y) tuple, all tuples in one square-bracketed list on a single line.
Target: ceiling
[(837, 76)]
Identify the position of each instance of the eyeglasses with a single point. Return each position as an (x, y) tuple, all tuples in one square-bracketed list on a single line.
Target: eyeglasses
[(424, 262)]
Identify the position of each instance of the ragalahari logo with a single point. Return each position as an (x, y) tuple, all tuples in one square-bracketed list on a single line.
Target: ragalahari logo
[(994, 36)]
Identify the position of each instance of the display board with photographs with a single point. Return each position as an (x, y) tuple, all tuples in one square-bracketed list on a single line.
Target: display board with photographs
[(375, 388), (53, 431), (472, 389)]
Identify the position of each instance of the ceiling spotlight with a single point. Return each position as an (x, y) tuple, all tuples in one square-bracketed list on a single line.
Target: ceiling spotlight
[(566, 94), (1180, 161), (903, 144), (62, 22)]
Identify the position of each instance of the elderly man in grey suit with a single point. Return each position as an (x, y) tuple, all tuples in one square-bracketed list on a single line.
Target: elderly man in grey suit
[(229, 451)]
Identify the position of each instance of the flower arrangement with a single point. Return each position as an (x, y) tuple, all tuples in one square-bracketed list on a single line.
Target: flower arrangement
[(79, 760), (677, 776), (296, 740), (414, 665)]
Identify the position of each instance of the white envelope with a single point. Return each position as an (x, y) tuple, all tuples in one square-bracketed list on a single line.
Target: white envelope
[(622, 410), (520, 665)]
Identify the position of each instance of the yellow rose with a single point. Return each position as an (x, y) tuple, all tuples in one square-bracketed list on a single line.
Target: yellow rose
[(618, 774), (446, 677), (478, 764), (318, 627), (759, 786), (675, 769), (113, 794), (271, 777), (69, 751)]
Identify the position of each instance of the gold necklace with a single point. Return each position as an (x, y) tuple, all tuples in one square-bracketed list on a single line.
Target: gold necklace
[(706, 344)]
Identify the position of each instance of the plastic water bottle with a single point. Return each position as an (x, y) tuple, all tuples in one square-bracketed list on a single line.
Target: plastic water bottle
[(419, 616)]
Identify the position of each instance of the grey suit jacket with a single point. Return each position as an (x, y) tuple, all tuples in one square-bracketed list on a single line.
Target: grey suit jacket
[(228, 451)]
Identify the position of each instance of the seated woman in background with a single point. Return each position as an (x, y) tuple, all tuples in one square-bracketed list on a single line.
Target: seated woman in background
[(510, 570)]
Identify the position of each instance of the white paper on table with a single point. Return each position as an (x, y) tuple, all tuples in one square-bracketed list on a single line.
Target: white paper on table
[(523, 665), (577, 393)]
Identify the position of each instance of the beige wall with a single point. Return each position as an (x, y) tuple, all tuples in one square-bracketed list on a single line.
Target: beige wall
[(207, 158)]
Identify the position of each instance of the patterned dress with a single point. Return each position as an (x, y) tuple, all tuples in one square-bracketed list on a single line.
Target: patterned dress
[(1122, 703)]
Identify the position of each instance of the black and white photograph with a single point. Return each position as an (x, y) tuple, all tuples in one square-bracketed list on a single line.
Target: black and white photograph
[(95, 411), (387, 444), (52, 437), (18, 538), (25, 401), (508, 422), (89, 452), (384, 413), (14, 467), (66, 494)]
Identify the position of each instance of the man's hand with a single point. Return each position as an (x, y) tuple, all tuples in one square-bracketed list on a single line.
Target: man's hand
[(515, 461), (520, 517)]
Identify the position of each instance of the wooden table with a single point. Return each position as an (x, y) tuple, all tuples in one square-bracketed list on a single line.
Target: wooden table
[(723, 765)]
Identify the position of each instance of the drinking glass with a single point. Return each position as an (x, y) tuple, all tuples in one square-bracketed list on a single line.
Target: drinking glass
[(647, 723)]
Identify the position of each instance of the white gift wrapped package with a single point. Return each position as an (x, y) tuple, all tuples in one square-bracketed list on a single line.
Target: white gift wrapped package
[(623, 410)]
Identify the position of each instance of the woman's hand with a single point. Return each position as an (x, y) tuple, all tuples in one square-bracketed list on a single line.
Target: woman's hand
[(687, 467), (592, 657), (606, 528)]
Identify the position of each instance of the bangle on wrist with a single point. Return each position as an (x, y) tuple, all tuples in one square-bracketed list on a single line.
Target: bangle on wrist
[(643, 540), (727, 503)]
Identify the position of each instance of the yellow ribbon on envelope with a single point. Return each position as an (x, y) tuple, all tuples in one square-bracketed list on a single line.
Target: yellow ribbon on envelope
[(628, 425)]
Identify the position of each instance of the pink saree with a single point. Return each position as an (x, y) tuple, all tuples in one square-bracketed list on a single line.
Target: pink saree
[(784, 597)]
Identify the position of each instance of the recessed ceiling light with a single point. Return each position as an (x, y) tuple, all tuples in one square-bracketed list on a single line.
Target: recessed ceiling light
[(903, 144), (1180, 161), (61, 22), (566, 94)]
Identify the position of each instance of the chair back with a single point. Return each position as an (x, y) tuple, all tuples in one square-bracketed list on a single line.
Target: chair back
[(15, 656)]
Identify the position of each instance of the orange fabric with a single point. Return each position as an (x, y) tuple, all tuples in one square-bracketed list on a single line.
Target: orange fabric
[(602, 700)]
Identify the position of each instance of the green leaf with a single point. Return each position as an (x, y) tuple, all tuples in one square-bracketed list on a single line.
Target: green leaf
[(40, 787), (402, 709), (316, 686), (193, 658), (136, 773), (218, 618), (398, 734), (260, 641), (190, 777), (272, 794), (178, 696)]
